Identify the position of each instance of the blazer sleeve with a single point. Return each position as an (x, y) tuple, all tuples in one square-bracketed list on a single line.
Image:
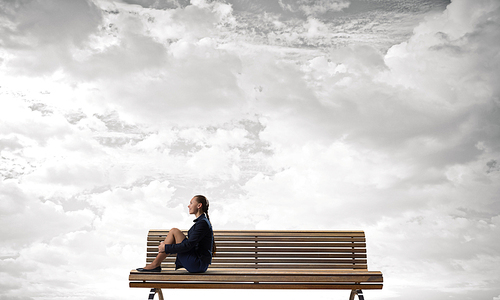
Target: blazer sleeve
[(200, 229)]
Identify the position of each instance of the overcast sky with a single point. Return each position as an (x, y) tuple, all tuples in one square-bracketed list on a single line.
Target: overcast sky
[(375, 115)]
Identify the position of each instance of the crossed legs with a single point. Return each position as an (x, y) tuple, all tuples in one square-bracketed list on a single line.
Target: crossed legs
[(174, 236)]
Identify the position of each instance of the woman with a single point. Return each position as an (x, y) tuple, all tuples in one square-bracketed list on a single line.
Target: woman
[(194, 252)]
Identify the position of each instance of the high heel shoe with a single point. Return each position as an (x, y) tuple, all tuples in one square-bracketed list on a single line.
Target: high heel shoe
[(157, 269)]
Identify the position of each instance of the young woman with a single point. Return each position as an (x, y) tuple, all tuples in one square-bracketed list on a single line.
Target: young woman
[(194, 252)]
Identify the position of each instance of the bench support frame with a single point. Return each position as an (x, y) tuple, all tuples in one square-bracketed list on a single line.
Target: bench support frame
[(155, 291), (355, 293)]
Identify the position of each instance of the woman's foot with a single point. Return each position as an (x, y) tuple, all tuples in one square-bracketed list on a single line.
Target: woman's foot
[(150, 268)]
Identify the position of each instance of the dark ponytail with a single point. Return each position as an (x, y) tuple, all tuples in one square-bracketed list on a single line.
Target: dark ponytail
[(204, 208)]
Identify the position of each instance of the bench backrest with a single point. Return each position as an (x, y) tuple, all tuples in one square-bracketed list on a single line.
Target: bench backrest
[(279, 249)]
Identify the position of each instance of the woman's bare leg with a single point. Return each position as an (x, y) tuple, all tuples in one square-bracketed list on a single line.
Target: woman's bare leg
[(174, 236)]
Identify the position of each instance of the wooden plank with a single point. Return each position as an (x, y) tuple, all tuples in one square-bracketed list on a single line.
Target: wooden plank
[(283, 266), (281, 261), (280, 286), (309, 278), (339, 266), (282, 244), (274, 233), (270, 272), (292, 255), (291, 245), (264, 279), (261, 250), (275, 261), (287, 266), (220, 239), (278, 264), (278, 255), (291, 239), (303, 251), (279, 244)]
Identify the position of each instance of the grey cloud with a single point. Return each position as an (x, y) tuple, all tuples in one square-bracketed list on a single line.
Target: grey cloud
[(39, 221), (42, 34), (157, 4), (313, 8), (11, 143), (134, 53), (207, 87), (379, 24), (35, 24), (38, 128)]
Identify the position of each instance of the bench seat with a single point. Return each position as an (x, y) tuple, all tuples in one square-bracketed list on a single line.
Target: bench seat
[(259, 279)]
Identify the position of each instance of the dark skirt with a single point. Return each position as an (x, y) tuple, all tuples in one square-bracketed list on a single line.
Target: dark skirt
[(191, 262)]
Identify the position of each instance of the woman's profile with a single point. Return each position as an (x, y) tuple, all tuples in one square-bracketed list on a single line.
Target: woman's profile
[(194, 252)]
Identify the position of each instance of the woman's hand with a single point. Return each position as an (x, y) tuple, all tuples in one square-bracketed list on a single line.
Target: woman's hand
[(161, 247)]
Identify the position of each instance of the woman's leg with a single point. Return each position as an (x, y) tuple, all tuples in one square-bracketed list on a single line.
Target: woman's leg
[(174, 236)]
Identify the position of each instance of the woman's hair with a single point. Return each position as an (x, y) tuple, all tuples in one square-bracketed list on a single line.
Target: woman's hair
[(204, 208)]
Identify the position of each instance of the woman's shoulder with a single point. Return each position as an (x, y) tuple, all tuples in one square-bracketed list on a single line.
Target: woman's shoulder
[(203, 221)]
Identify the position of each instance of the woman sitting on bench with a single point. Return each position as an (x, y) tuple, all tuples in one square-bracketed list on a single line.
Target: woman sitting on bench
[(194, 252)]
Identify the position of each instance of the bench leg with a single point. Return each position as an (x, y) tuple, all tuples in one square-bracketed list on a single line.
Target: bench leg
[(160, 294), (152, 293), (359, 293)]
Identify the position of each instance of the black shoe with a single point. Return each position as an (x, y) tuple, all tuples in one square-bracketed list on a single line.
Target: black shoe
[(157, 269)]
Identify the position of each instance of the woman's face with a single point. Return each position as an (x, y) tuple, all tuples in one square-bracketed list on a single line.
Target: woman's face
[(194, 206)]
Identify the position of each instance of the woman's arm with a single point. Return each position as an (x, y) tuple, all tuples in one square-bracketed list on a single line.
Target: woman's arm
[(200, 229)]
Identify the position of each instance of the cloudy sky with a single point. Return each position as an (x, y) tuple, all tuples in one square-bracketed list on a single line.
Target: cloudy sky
[(377, 115)]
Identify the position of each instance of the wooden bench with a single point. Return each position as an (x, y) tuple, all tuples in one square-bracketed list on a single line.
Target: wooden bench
[(270, 260)]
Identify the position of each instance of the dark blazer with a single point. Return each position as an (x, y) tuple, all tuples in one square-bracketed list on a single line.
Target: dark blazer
[(200, 238)]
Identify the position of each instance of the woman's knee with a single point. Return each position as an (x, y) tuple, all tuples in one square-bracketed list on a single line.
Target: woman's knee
[(177, 234), (175, 230)]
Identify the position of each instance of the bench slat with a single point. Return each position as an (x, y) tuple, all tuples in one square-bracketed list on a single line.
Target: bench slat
[(219, 239), (258, 277), (264, 272), (248, 286), (277, 260), (278, 255), (263, 250), (266, 233), (171, 266), (298, 244)]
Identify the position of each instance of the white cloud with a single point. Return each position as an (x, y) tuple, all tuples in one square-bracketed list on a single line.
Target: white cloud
[(149, 106), (312, 8), (41, 35)]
